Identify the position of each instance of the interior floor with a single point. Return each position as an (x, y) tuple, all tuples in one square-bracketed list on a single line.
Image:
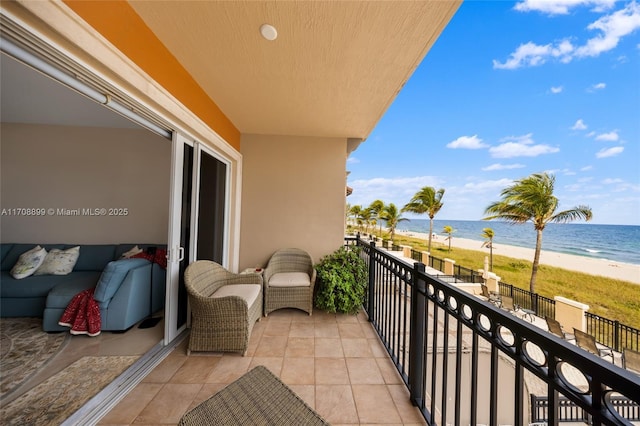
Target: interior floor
[(134, 341)]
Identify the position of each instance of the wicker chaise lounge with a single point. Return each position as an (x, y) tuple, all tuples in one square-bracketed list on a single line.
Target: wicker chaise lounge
[(289, 279), (224, 307)]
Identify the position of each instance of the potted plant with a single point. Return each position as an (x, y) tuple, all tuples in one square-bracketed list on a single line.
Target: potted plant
[(341, 281)]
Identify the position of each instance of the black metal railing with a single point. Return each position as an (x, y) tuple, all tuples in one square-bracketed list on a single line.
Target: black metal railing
[(612, 333), (542, 306), (464, 360), (570, 412), (468, 275)]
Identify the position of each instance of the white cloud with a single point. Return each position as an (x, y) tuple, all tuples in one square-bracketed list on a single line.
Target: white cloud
[(561, 7), (597, 86), (591, 134), (608, 137), (353, 160), (467, 142), (579, 125), (556, 90), (612, 27), (610, 181), (483, 186), (586, 168), (609, 152), (520, 146), (391, 190), (531, 54), (499, 166)]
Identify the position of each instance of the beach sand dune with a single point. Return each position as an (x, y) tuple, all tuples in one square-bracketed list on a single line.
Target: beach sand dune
[(601, 267)]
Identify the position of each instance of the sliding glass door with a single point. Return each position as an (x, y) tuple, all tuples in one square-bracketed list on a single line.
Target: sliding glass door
[(197, 221)]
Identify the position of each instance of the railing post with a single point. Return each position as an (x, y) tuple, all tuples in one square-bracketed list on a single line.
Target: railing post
[(417, 335), (372, 272), (616, 336)]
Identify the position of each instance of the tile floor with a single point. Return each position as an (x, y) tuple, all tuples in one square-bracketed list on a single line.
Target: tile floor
[(336, 363)]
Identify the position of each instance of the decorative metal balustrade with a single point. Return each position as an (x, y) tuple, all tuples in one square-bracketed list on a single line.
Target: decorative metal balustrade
[(465, 361), (612, 333)]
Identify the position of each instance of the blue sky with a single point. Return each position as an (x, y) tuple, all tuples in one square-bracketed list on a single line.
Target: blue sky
[(510, 89)]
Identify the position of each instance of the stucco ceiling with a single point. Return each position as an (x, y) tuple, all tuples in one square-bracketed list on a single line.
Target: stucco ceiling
[(333, 70)]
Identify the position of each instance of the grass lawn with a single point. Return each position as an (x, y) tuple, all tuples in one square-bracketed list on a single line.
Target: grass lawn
[(607, 297)]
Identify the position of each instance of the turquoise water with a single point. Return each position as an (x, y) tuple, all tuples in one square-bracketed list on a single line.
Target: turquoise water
[(619, 243)]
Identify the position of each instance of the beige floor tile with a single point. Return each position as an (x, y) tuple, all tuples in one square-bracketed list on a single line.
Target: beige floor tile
[(277, 327), (302, 329), (298, 371), (228, 369), (306, 392), (350, 330), (389, 372), (374, 404), (356, 348), (206, 392), (166, 369), (329, 348), (270, 346), (126, 411), (377, 348), (409, 413), (195, 369), (347, 318), (171, 402), (335, 403), (331, 371), (274, 364), (364, 371), (300, 347), (327, 329)]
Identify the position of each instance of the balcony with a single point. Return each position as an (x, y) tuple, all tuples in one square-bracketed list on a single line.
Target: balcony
[(423, 351)]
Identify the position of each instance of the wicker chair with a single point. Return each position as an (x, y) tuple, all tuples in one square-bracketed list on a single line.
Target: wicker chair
[(289, 280), (224, 307)]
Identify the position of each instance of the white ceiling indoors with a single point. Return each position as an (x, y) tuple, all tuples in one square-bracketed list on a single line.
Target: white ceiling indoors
[(333, 70), (28, 96)]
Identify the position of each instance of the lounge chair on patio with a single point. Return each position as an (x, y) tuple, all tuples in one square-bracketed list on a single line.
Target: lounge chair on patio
[(556, 328), (491, 296), (588, 343), (224, 307), (289, 279), (631, 360)]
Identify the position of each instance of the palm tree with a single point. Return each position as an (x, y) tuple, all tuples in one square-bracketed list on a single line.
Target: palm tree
[(489, 234), (448, 230), (365, 218), (532, 199), (392, 216), (426, 201), (376, 208), (354, 211)]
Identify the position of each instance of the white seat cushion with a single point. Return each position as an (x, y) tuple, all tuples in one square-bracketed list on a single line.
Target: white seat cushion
[(248, 292), (290, 279)]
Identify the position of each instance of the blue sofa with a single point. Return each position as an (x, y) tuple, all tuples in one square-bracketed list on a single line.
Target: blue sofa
[(138, 291)]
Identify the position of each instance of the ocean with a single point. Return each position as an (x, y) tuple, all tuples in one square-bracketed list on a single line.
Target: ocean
[(620, 243)]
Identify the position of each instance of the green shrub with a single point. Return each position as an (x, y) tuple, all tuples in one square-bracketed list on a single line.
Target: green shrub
[(341, 281)]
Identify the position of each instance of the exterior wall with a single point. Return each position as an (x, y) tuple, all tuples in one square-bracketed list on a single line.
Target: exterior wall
[(60, 167), (293, 195)]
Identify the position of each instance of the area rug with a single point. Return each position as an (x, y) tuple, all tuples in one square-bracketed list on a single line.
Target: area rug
[(24, 349), (57, 398)]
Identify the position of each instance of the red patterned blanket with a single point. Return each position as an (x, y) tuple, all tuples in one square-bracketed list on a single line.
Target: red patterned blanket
[(82, 314)]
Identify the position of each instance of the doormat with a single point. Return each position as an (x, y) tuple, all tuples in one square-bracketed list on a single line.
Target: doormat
[(61, 395), (24, 349)]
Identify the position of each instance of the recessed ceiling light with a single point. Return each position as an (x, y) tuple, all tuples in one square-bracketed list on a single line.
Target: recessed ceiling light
[(269, 32)]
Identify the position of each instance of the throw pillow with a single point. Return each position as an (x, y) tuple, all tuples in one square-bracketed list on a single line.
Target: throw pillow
[(28, 262), (59, 262), (130, 253), (112, 276)]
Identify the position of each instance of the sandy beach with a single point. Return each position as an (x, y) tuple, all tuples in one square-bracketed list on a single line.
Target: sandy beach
[(605, 268)]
